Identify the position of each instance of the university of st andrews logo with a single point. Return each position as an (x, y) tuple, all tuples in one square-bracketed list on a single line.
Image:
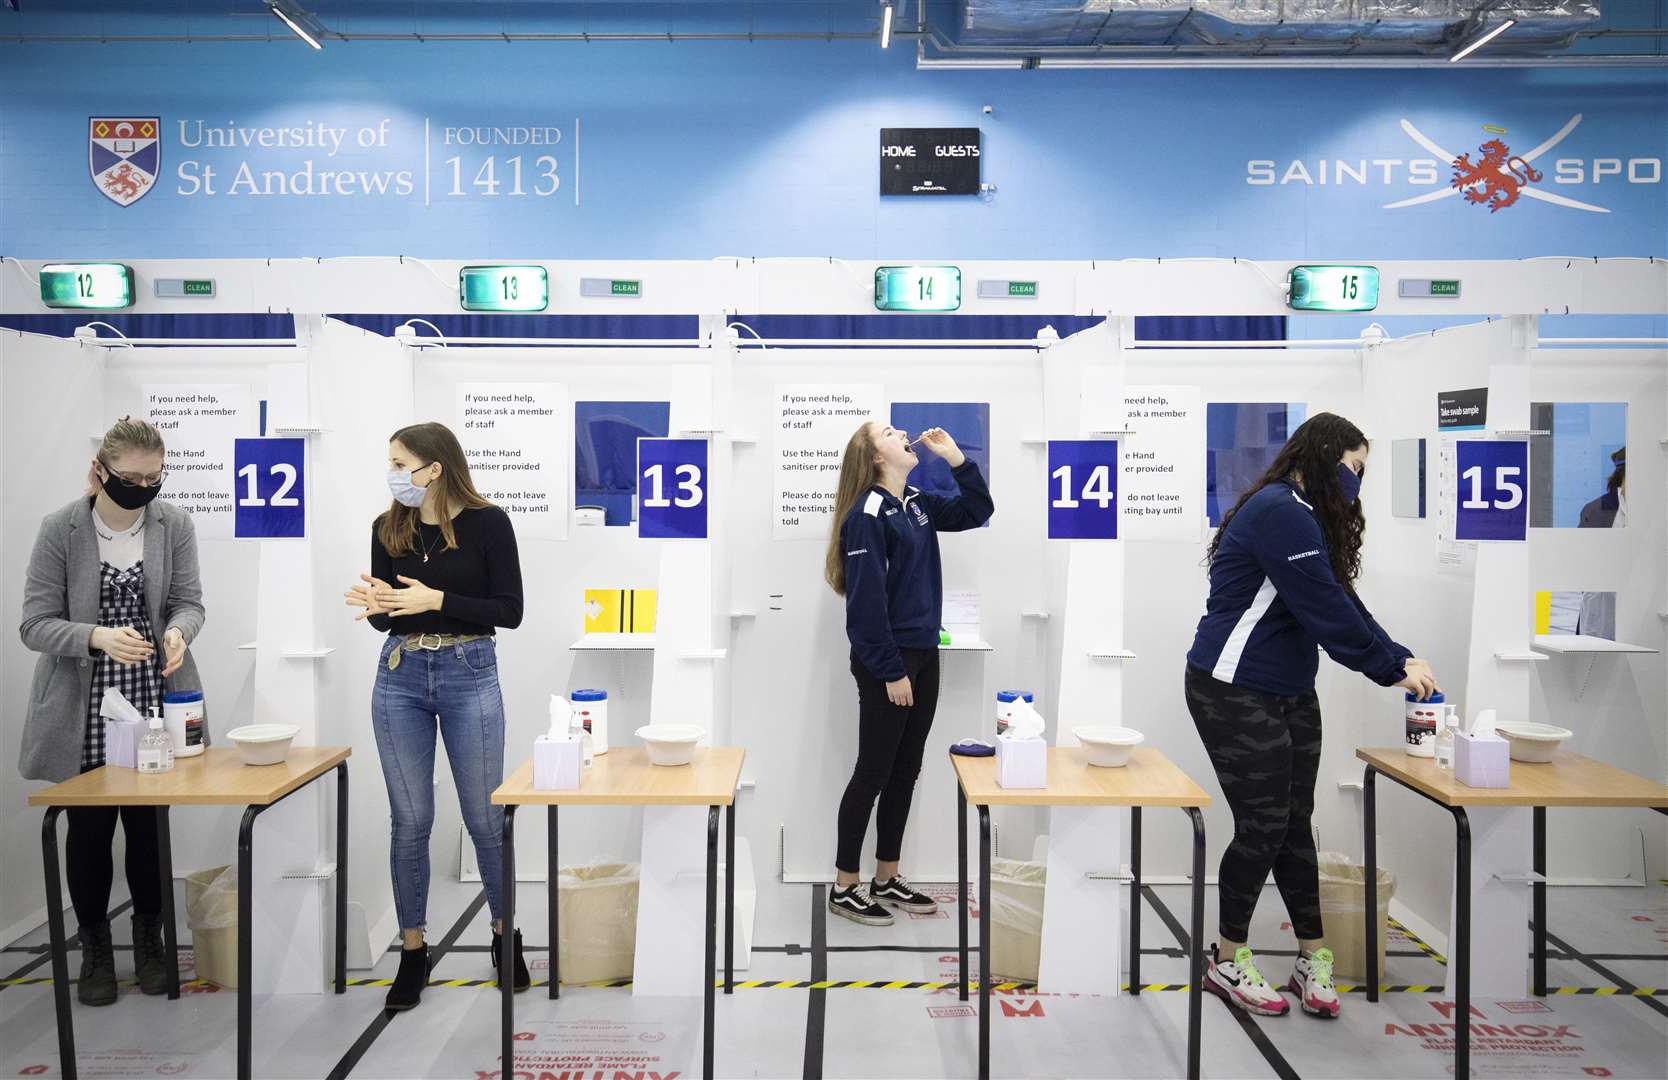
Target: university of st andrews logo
[(1495, 180), (124, 156)]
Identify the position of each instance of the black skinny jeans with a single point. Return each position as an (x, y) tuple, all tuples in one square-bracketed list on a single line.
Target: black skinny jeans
[(890, 742), (91, 865)]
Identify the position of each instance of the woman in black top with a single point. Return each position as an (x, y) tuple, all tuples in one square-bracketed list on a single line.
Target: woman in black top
[(444, 574)]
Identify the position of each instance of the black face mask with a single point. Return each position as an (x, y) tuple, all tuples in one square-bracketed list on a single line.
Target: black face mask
[(126, 496)]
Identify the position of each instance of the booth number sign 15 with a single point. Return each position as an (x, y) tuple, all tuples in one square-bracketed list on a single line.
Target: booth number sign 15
[(672, 489), (1492, 495), (1083, 489), (269, 489)]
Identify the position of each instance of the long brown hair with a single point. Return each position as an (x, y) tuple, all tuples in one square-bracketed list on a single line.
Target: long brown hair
[(125, 435), (859, 471), (1314, 451), (431, 442)]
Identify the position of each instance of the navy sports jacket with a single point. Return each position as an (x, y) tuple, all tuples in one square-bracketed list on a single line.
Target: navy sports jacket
[(894, 579), (1273, 598)]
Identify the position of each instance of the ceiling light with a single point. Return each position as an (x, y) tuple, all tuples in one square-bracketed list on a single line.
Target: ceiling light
[(1480, 42), (305, 26), (886, 27)]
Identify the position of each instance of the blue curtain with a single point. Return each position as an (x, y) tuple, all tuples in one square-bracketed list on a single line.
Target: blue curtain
[(1210, 328), (836, 328), (206, 325), (455, 325)]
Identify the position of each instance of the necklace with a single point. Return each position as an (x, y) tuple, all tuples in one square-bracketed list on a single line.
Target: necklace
[(99, 527), (430, 546)]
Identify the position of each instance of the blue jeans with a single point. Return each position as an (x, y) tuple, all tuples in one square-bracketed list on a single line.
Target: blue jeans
[(456, 689)]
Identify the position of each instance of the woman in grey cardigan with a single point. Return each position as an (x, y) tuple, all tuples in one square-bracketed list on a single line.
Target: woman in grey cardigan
[(112, 600)]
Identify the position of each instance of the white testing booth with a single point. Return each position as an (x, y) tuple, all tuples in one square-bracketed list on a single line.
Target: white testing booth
[(749, 641)]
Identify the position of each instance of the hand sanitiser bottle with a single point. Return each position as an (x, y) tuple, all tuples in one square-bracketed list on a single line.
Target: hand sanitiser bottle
[(156, 747), (1446, 725)]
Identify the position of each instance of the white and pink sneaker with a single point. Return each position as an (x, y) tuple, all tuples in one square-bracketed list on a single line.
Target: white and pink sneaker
[(1239, 983), (1312, 983)]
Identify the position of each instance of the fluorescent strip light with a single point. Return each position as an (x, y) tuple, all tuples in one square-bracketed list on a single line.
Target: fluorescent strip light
[(293, 25), (1480, 42), (886, 27)]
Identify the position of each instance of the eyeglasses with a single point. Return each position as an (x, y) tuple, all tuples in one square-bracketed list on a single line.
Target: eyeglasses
[(149, 480)]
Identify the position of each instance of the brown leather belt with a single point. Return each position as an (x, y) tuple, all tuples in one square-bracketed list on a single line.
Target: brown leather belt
[(429, 643)]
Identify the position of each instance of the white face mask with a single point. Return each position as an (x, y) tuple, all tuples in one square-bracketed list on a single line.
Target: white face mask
[(404, 491)]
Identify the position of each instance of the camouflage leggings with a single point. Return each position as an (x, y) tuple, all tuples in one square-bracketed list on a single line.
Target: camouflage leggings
[(1266, 751)]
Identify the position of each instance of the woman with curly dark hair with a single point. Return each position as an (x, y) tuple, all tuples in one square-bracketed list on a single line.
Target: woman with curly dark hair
[(1283, 567)]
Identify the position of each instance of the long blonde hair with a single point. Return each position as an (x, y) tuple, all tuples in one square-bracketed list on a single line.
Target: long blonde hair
[(397, 529), (125, 435), (859, 471)]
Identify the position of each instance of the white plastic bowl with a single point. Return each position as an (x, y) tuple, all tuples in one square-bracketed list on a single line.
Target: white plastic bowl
[(671, 744), (263, 744), (1107, 744), (1531, 741)]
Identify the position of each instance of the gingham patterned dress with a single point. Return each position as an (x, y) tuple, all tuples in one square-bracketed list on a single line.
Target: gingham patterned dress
[(121, 602)]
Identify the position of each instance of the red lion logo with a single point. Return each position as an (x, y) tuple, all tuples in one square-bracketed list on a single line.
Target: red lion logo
[(1496, 180), (125, 182)]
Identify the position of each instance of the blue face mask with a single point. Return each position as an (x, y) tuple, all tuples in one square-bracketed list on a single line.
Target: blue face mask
[(404, 491), (1348, 483)]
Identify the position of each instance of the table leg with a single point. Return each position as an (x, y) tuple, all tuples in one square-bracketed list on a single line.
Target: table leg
[(1135, 900), (984, 943), (1369, 853), (60, 946), (553, 887), (730, 897), (1196, 950), (170, 934), (961, 889), (1462, 944), (506, 952), (246, 941), (1540, 900), (341, 876), (712, 941)]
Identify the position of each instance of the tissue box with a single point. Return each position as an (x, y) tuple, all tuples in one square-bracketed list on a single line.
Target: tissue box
[(1021, 763), (556, 764), (1482, 760), (121, 743)]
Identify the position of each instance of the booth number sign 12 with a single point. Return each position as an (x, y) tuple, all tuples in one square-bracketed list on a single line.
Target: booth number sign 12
[(269, 489), (672, 489), (1492, 495), (1083, 489)]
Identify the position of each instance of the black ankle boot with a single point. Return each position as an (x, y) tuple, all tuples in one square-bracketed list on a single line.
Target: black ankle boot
[(149, 956), (97, 985), (522, 978), (413, 975)]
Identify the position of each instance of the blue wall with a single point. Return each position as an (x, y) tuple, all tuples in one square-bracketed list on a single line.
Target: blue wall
[(694, 150)]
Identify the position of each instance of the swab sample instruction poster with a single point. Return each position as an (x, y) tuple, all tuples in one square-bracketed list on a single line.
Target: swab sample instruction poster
[(199, 422), (1162, 464), (814, 423), (512, 436)]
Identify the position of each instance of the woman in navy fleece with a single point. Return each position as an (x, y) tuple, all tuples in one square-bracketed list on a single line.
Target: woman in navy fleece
[(883, 558), (1282, 572)]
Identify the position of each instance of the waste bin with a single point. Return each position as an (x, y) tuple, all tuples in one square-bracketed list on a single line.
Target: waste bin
[(1343, 899), (598, 917), (211, 913), (1016, 918)]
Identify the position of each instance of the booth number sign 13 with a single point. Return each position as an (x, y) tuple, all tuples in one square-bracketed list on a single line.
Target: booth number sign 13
[(1492, 495), (1083, 489), (269, 489), (672, 489)]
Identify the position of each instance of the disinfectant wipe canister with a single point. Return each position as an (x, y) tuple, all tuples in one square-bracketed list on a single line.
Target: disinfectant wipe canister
[(1422, 717), (1005, 700), (183, 717), (591, 709)]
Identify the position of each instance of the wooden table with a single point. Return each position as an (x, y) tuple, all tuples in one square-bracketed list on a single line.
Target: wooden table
[(1150, 779), (217, 777), (1567, 780), (624, 777)]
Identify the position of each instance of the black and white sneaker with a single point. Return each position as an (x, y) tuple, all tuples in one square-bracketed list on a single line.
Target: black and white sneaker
[(899, 893), (854, 903)]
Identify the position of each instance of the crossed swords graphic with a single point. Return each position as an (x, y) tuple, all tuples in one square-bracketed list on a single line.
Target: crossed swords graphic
[(1529, 192)]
